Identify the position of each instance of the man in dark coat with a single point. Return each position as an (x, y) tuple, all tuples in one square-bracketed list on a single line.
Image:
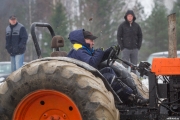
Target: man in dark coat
[(129, 37), (83, 42), (83, 48), (16, 38)]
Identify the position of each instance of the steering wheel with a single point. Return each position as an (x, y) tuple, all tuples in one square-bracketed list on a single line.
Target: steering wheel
[(113, 56)]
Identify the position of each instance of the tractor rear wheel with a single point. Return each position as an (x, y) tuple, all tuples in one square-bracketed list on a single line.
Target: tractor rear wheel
[(50, 90)]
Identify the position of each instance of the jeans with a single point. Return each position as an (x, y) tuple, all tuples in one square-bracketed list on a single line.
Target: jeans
[(17, 62)]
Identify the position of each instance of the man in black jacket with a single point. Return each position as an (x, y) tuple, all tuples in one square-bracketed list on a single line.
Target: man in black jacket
[(129, 37), (16, 38)]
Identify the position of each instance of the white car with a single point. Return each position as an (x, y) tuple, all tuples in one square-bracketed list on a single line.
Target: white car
[(160, 55), (150, 59), (5, 69)]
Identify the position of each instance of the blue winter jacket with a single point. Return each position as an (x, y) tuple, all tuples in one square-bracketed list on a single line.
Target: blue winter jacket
[(16, 38), (83, 52)]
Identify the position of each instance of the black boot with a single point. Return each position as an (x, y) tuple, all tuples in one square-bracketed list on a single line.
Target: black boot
[(136, 99), (139, 99)]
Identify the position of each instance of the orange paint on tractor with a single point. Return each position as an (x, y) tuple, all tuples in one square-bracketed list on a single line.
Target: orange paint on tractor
[(166, 66), (47, 105)]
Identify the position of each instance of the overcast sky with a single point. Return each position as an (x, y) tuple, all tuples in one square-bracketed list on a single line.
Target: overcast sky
[(148, 5)]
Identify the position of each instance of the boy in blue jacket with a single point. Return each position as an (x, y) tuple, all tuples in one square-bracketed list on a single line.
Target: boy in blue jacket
[(83, 42)]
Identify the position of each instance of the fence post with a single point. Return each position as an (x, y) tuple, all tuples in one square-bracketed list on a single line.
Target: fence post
[(172, 36)]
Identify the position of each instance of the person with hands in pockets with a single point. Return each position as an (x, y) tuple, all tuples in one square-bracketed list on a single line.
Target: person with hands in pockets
[(16, 38), (129, 37)]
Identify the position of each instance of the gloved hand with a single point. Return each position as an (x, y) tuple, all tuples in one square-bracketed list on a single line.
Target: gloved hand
[(116, 47)]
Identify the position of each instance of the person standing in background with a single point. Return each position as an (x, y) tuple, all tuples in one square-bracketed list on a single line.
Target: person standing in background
[(16, 39), (129, 37)]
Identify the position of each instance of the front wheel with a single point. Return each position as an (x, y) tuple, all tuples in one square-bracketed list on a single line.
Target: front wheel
[(45, 90)]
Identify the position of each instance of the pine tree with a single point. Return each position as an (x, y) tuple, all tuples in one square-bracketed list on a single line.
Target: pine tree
[(59, 24), (105, 16), (176, 9), (155, 32)]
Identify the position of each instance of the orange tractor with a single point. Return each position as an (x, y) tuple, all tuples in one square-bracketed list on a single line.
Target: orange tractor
[(61, 88)]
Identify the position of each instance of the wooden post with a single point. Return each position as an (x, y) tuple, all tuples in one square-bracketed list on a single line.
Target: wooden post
[(172, 36)]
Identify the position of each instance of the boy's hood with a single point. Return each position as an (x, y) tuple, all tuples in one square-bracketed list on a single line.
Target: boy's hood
[(77, 36)]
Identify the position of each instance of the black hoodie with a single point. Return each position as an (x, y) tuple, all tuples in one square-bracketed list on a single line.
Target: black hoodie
[(129, 35)]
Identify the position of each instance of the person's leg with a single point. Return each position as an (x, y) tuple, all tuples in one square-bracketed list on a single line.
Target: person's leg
[(107, 70), (125, 56), (19, 61), (122, 90), (108, 73), (127, 94), (13, 64), (127, 78), (134, 58)]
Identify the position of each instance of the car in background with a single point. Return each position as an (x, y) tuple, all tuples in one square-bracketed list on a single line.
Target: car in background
[(5, 69), (150, 59), (160, 55)]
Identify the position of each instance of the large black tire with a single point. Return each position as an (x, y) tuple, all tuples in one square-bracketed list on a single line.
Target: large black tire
[(87, 91), (142, 89)]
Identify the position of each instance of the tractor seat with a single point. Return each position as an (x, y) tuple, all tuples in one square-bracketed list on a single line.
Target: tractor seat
[(56, 43)]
